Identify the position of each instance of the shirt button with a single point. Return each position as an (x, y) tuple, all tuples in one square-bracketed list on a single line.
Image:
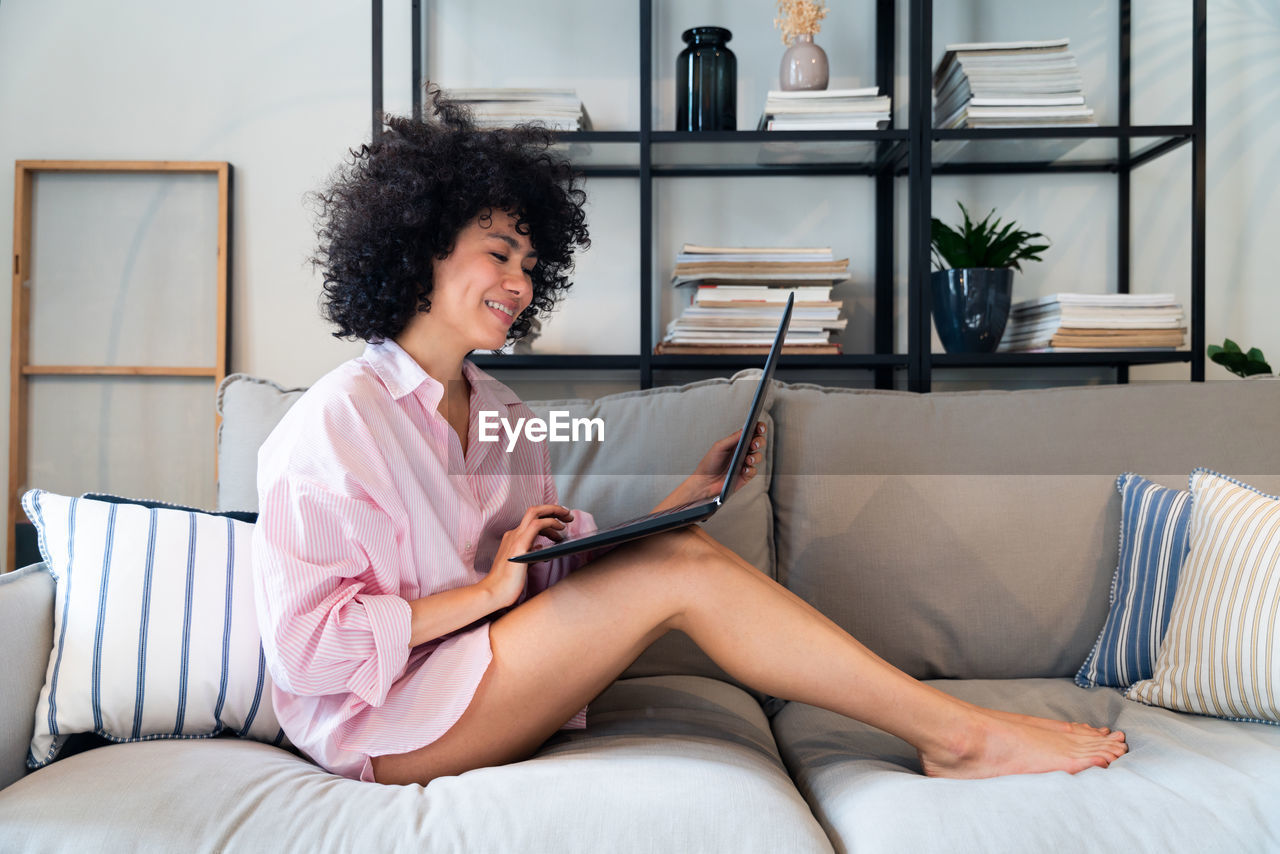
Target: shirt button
[(469, 545)]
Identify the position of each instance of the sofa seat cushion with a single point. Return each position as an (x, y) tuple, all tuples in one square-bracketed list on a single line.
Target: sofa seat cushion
[(666, 764), (1188, 783)]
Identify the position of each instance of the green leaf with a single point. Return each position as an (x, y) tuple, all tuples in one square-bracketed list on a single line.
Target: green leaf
[(950, 245), (1230, 356), (1252, 368), (987, 242), (1233, 362)]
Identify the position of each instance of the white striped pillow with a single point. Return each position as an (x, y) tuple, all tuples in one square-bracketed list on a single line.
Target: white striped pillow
[(1221, 651), (155, 634)]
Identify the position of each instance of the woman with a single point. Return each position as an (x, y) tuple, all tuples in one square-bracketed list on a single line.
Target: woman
[(404, 644)]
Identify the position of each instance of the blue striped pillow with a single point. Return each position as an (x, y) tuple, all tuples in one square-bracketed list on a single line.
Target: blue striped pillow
[(155, 634), (1154, 521)]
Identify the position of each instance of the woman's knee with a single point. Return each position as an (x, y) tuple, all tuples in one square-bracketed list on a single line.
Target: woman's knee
[(693, 555), (686, 548), (670, 560)]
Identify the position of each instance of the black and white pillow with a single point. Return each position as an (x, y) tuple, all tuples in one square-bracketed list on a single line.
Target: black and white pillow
[(155, 634)]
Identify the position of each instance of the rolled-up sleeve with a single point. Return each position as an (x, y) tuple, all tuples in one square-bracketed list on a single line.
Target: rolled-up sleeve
[(332, 618)]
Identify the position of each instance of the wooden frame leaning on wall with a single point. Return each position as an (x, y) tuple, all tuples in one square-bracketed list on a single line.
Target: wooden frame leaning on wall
[(22, 371)]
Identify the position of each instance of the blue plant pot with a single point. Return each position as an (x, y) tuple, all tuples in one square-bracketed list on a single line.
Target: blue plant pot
[(971, 307)]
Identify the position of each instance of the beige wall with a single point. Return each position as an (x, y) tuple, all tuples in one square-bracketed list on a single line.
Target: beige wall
[(281, 89)]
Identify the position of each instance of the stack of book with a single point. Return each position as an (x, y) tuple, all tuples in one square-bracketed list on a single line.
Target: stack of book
[(738, 294), (1066, 322), (1009, 84), (826, 109), (557, 109)]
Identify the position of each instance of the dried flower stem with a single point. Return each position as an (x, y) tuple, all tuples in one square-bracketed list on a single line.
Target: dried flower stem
[(800, 18)]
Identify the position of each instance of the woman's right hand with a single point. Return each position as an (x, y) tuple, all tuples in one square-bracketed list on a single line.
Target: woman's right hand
[(506, 579)]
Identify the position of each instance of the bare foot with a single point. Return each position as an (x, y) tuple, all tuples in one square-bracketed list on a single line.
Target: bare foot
[(1051, 724), (996, 745)]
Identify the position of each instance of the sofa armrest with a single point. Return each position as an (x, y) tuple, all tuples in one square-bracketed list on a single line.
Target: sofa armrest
[(26, 636)]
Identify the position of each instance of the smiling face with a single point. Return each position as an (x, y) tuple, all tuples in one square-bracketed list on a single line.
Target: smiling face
[(481, 287)]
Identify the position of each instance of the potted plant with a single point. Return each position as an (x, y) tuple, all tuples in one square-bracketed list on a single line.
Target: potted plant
[(973, 283), (1238, 362)]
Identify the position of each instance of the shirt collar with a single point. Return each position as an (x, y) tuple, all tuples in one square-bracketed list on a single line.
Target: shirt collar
[(399, 372), (402, 375), (489, 393)]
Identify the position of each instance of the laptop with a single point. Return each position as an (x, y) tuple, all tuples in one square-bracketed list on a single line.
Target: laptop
[(687, 514)]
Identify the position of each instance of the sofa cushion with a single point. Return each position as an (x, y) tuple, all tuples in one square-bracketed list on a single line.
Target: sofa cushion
[(1188, 783), (652, 441), (249, 409), (1154, 521), (973, 534), (666, 764), (155, 629), (1221, 654), (26, 635)]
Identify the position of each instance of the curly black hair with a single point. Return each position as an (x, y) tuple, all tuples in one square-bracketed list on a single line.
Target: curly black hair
[(402, 200)]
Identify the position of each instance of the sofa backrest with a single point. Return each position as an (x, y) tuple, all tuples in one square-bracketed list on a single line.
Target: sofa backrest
[(974, 534), (966, 535)]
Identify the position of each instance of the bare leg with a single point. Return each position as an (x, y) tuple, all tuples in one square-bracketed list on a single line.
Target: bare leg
[(580, 634)]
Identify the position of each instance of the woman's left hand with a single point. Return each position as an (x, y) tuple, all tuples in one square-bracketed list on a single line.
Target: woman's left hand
[(708, 478)]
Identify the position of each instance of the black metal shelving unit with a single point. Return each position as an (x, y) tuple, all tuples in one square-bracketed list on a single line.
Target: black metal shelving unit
[(1118, 149), (915, 154)]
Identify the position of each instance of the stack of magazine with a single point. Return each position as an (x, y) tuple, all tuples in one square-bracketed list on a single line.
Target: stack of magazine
[(1009, 84), (557, 109), (737, 296), (1084, 322), (825, 109)]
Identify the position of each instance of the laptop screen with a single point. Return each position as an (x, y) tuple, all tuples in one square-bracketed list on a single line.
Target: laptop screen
[(757, 405)]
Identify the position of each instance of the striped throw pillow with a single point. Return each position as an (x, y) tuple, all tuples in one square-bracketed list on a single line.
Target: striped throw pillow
[(1153, 543), (155, 634), (1221, 653)]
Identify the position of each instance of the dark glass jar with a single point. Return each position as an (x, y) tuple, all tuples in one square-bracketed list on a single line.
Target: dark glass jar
[(706, 81)]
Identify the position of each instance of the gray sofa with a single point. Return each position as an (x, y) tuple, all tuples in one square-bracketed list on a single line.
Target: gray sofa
[(969, 538)]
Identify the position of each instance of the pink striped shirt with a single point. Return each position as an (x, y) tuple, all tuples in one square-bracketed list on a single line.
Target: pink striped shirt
[(367, 501)]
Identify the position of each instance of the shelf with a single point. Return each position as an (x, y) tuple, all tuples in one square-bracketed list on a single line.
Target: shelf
[(737, 153), (961, 151), (557, 362), (602, 153), (846, 361), (1103, 358), (1021, 150)]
